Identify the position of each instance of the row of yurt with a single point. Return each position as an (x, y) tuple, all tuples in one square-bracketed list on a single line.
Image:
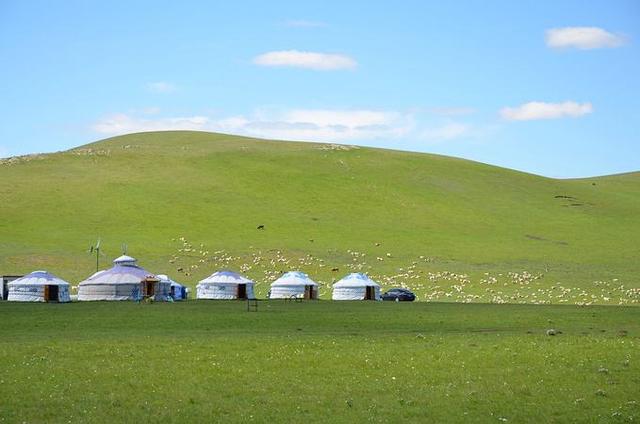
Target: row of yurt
[(126, 280), (231, 285), (294, 284)]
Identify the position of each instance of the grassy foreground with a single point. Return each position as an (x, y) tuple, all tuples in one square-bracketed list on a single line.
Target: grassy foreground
[(324, 361)]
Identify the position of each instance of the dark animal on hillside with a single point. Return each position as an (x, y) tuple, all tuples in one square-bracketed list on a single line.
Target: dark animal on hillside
[(335, 269), (260, 227)]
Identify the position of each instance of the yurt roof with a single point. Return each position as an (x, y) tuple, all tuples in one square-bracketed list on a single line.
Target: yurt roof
[(226, 277), (356, 279), (39, 278), (119, 274), (294, 278), (124, 260)]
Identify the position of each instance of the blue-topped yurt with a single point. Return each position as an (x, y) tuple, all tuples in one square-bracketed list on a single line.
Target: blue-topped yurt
[(225, 285), (356, 286), (39, 286), (177, 291), (294, 284), (126, 280)]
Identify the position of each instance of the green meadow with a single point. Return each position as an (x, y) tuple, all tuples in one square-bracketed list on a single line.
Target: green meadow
[(322, 361), (187, 204)]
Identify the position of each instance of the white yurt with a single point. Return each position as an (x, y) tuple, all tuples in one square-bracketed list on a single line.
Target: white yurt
[(225, 285), (294, 284), (356, 286), (124, 281), (177, 290), (39, 286)]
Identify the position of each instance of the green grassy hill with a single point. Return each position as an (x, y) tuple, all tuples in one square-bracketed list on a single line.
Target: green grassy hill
[(189, 203)]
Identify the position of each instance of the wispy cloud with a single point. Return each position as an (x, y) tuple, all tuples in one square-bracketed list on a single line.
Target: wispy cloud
[(303, 23), (4, 152), (332, 125), (368, 126), (583, 38), (308, 60), (298, 124), (122, 123), (541, 110), (161, 87)]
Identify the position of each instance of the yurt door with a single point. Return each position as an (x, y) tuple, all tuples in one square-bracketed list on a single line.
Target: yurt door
[(51, 293), (370, 293), (308, 292), (242, 291), (148, 288)]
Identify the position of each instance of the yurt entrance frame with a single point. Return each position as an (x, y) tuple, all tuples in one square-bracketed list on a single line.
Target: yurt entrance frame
[(149, 287), (309, 292), (370, 293), (241, 292), (51, 293)]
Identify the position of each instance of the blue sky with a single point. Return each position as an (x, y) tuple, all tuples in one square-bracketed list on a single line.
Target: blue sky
[(548, 87)]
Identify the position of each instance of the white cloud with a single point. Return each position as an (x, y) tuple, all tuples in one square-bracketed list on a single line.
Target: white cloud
[(297, 124), (161, 87), (4, 152), (583, 38), (540, 110), (308, 60), (303, 23), (124, 124), (331, 125)]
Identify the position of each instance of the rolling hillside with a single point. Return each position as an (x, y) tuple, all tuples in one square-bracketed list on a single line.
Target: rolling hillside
[(188, 203)]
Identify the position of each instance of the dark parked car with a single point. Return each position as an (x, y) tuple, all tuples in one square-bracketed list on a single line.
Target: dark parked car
[(399, 295)]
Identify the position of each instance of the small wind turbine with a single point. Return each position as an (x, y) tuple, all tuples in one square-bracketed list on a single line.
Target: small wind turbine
[(96, 249)]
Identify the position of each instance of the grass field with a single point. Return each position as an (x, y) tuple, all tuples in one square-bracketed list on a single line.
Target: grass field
[(188, 204), (318, 362)]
